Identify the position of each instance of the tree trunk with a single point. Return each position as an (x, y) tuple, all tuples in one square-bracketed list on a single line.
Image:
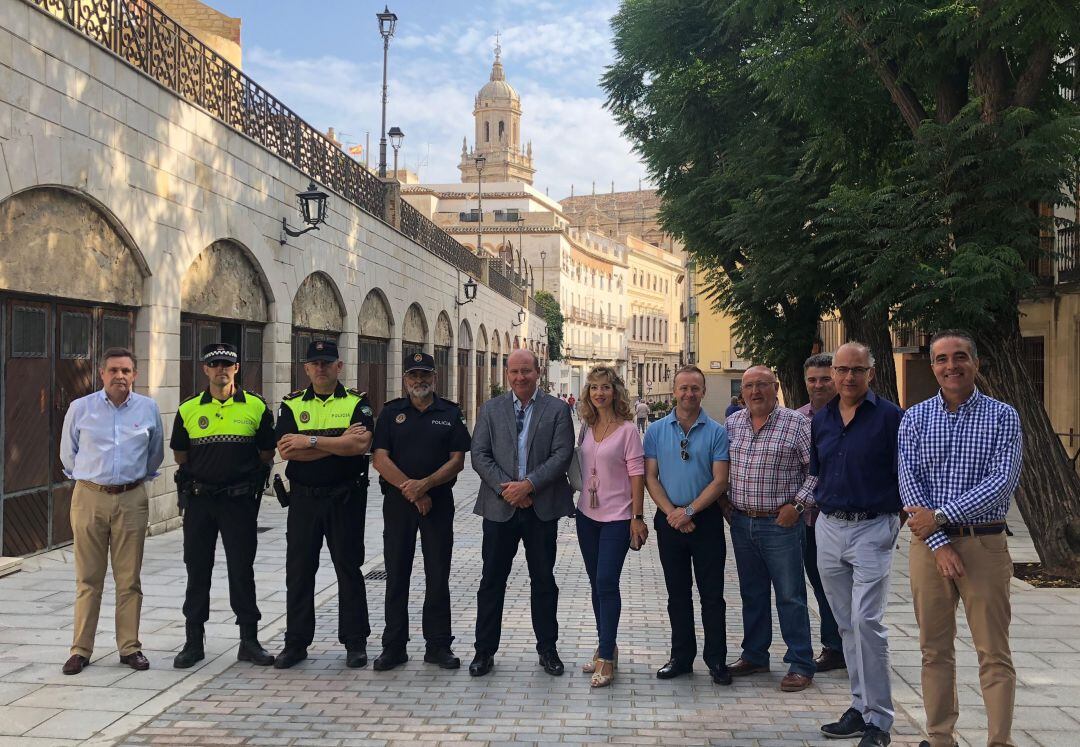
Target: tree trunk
[(1049, 492), (873, 331), (792, 383)]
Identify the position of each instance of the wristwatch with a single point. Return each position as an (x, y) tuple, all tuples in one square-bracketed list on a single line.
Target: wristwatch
[(688, 509), (940, 518), (313, 441), (639, 517), (799, 506)]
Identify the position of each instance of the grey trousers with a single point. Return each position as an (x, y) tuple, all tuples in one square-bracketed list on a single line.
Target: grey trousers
[(854, 559)]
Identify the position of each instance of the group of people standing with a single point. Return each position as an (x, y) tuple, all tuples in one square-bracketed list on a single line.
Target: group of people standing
[(821, 491)]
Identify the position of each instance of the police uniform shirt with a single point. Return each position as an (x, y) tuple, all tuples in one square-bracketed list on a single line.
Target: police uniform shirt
[(421, 442), (223, 438), (333, 469)]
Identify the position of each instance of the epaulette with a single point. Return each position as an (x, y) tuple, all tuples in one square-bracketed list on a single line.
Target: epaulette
[(294, 395), (395, 400), (257, 396), (357, 392), (194, 396), (450, 402)]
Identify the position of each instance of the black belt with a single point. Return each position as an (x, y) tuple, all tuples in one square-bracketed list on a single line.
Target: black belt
[(853, 515), (973, 530), (325, 491), (233, 490), (112, 489)]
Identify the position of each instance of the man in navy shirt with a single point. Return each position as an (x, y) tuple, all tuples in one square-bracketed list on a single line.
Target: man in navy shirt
[(853, 456)]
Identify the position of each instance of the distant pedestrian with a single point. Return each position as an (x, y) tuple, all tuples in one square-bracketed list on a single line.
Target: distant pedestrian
[(770, 458), (572, 402), (733, 407), (817, 374), (960, 456), (112, 443), (610, 513), (686, 471), (641, 414), (854, 460)]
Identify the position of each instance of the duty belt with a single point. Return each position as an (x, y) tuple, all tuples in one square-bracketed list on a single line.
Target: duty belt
[(235, 490), (296, 490)]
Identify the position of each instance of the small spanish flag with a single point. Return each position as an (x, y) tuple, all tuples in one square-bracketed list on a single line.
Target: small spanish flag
[(356, 150)]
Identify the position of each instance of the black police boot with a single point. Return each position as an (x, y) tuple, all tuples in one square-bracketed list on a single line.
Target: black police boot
[(193, 647), (250, 648)]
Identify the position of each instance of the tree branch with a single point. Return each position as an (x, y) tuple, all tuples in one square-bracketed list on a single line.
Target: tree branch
[(905, 98)]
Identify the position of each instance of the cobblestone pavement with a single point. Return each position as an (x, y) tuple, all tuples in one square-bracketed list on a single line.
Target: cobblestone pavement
[(320, 702)]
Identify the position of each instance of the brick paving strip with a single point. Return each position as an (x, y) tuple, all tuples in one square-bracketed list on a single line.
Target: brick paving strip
[(320, 702)]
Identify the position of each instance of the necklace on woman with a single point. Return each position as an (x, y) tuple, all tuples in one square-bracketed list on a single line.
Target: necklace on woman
[(594, 481)]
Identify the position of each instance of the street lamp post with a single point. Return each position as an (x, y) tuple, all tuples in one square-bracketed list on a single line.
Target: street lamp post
[(543, 268), (387, 22), (396, 136), (480, 161)]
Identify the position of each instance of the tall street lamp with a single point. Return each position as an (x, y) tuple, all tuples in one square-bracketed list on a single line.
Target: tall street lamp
[(396, 136), (387, 22), (543, 268), (480, 161)]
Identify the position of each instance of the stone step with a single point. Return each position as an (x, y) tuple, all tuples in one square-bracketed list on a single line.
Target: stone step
[(9, 565)]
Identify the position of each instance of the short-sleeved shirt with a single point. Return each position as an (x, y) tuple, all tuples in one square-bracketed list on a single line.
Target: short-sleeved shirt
[(223, 438), (419, 443), (706, 443), (615, 460), (331, 470)]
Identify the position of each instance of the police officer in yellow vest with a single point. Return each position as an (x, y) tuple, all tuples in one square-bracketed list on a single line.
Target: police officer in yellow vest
[(325, 431), (223, 440)]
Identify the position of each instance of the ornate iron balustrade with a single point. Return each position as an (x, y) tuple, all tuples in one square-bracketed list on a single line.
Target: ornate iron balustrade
[(533, 307), (501, 284), (437, 241), (1067, 250)]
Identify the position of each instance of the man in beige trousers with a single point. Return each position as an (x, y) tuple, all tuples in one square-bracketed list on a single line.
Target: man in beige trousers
[(112, 443)]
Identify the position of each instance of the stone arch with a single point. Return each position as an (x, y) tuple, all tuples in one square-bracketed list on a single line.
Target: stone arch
[(220, 282), (376, 319), (88, 253), (415, 328), (496, 342), (465, 338), (481, 338), (444, 335), (318, 304), (506, 343)]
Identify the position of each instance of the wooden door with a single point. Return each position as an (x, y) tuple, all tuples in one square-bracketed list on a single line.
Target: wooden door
[(463, 360), (481, 364), (372, 370)]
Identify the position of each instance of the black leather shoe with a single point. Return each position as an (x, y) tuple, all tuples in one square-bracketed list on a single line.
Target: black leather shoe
[(874, 737), (136, 661), (191, 653), (444, 657), (389, 659), (850, 725), (75, 664), (551, 662), (481, 665), (720, 674), (356, 657), (830, 659), (290, 657), (673, 669), (251, 650), (926, 743)]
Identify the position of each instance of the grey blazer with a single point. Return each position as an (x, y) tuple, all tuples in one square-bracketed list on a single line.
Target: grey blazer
[(550, 447)]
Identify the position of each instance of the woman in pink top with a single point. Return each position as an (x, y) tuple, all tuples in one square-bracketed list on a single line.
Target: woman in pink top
[(610, 510)]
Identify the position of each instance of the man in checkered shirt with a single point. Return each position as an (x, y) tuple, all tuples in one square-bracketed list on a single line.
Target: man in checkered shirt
[(959, 463), (770, 457)]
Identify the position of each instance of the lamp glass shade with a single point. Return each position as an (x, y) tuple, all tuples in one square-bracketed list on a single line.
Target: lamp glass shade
[(396, 135), (312, 205), (470, 289), (387, 22)]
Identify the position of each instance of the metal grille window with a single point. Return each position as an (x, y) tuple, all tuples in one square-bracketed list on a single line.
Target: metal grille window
[(1033, 362), (187, 341), (411, 348), (75, 334), (253, 345), (29, 336), (116, 332), (208, 335)]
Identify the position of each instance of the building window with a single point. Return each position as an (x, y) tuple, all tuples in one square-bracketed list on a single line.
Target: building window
[(487, 132), (502, 130), (1033, 362)]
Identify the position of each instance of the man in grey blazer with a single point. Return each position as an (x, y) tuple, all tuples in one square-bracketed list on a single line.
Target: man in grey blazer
[(521, 448)]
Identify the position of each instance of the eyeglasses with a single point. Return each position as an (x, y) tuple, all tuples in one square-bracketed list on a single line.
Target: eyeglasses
[(682, 449), (843, 371)]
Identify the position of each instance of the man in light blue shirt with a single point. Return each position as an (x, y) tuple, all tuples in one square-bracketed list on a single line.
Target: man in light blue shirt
[(112, 443)]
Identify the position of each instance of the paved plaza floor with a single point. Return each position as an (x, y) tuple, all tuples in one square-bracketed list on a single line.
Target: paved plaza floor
[(321, 702)]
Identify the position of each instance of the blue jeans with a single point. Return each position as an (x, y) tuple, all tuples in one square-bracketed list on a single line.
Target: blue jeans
[(603, 547), (770, 557)]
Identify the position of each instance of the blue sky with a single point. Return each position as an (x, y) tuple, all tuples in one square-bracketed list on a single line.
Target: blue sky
[(323, 58)]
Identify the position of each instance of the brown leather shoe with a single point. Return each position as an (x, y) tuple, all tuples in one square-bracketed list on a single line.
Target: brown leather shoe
[(136, 661), (742, 667), (794, 682), (75, 664), (830, 659)]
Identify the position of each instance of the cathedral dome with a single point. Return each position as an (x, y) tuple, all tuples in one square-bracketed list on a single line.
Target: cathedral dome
[(497, 89)]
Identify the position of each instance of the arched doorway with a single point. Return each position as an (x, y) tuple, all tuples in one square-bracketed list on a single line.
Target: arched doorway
[(444, 341), (464, 364), (222, 299), (317, 314), (481, 367), (56, 318), (495, 380), (414, 331), (376, 329)]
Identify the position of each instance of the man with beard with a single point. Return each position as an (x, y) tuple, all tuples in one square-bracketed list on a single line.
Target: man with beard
[(419, 448)]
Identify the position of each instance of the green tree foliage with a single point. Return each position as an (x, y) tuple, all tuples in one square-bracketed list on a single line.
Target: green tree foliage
[(549, 309)]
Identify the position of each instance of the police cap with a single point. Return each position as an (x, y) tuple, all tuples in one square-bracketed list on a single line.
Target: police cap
[(219, 351), (418, 362), (321, 350)]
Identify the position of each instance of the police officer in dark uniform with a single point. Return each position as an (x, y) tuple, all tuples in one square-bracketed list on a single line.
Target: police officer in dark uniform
[(324, 431), (419, 448), (223, 440)]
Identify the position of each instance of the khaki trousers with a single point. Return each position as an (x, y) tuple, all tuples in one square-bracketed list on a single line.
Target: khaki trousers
[(984, 589), (107, 526)]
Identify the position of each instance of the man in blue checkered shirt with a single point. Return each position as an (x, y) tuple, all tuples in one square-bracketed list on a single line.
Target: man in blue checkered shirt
[(959, 463)]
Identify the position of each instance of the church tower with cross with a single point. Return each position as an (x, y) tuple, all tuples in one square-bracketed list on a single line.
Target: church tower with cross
[(497, 113)]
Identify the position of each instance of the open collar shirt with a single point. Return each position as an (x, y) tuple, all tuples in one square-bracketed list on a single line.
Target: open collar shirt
[(109, 444), (966, 463), (524, 411), (769, 467)]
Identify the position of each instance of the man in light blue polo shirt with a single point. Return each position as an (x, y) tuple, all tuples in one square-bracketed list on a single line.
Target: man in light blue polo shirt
[(686, 471)]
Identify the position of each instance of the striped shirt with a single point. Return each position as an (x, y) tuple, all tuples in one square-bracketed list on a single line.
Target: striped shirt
[(771, 467), (966, 463)]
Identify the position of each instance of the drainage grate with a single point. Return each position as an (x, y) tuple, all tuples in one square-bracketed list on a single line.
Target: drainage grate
[(376, 574)]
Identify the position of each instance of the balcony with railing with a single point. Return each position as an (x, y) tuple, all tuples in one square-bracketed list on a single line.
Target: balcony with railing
[(1059, 257)]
